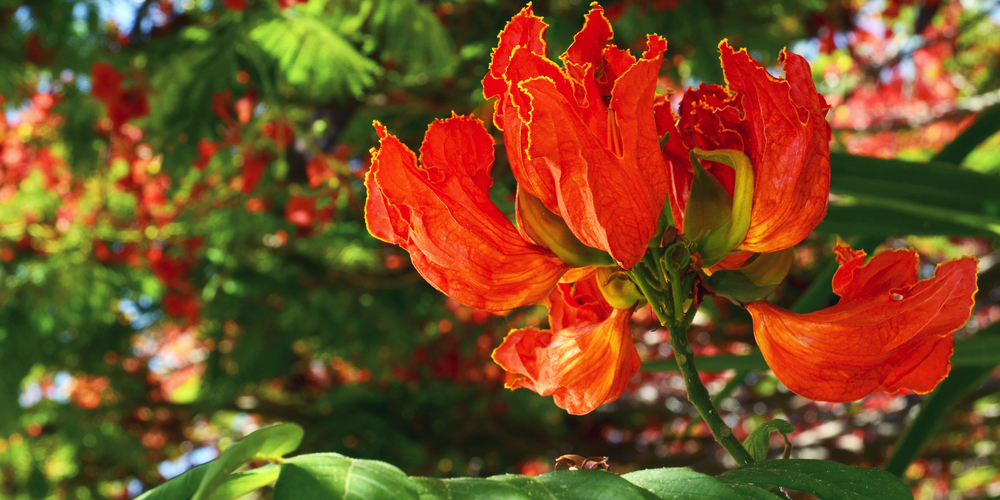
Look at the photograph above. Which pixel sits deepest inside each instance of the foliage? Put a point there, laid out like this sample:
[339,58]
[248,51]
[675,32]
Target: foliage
[174,277]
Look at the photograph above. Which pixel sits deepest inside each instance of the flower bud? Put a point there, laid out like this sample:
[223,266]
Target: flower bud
[548,230]
[618,289]
[758,277]
[717,223]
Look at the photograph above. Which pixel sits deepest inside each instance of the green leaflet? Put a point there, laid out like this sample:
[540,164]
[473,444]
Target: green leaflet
[315,61]
[758,443]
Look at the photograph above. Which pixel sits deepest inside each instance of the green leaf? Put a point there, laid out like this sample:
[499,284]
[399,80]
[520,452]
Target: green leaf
[758,443]
[269,443]
[984,346]
[936,192]
[681,484]
[986,124]
[330,475]
[579,485]
[181,487]
[824,480]
[315,61]
[750,492]
[465,489]
[881,221]
[238,485]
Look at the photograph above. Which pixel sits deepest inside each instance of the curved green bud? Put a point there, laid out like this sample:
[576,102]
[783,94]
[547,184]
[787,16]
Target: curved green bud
[760,276]
[548,230]
[618,289]
[717,222]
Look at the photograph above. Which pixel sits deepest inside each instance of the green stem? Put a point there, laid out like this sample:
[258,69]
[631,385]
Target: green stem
[702,401]
[647,290]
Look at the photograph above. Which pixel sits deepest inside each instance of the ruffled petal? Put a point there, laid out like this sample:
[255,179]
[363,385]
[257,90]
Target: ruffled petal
[441,213]
[854,280]
[610,190]
[581,367]
[788,144]
[524,30]
[889,333]
[588,44]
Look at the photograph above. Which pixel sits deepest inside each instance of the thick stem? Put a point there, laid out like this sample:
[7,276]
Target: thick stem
[702,401]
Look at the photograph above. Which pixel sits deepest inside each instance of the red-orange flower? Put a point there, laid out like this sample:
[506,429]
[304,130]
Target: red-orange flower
[889,332]
[440,212]
[778,123]
[582,138]
[585,358]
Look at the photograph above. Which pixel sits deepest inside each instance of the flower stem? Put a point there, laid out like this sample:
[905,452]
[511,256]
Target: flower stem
[702,401]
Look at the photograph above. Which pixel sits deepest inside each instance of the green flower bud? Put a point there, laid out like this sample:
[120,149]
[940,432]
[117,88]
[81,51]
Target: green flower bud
[548,230]
[618,289]
[717,223]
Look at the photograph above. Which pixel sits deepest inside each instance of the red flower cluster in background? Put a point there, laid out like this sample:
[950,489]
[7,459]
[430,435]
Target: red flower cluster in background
[123,104]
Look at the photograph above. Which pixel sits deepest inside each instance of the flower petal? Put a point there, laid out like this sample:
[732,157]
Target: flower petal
[588,44]
[890,332]
[524,30]
[611,198]
[582,367]
[788,144]
[854,280]
[441,213]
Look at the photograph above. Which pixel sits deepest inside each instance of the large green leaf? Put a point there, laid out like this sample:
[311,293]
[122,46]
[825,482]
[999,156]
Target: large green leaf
[824,480]
[329,475]
[942,195]
[181,487]
[986,124]
[314,60]
[875,220]
[184,486]
[238,485]
[750,492]
[269,443]
[983,348]
[580,485]
[681,484]
[466,489]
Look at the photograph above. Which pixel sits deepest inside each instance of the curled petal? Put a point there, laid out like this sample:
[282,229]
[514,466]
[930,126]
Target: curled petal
[441,213]
[780,124]
[788,144]
[889,332]
[581,367]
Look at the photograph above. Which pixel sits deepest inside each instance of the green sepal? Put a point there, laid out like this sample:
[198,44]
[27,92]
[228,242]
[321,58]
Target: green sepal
[549,230]
[618,289]
[757,279]
[716,222]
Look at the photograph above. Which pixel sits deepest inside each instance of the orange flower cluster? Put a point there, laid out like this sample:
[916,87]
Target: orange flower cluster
[596,153]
